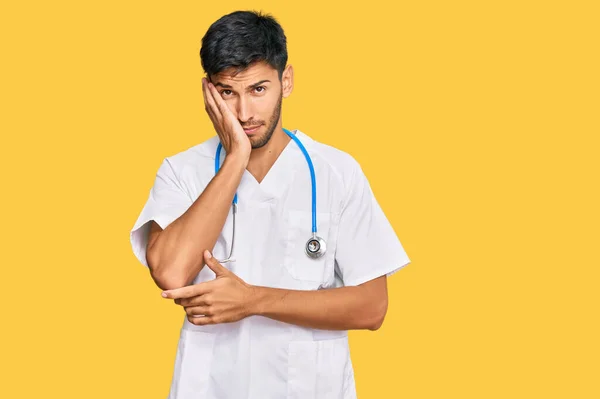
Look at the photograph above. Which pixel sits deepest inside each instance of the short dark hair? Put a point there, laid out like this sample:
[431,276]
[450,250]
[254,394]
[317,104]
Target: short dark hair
[241,38]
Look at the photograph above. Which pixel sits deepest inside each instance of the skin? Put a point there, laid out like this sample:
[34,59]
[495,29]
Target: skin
[228,298]
[178,253]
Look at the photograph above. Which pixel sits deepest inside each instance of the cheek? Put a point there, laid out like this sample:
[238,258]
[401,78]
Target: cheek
[232,105]
[266,104]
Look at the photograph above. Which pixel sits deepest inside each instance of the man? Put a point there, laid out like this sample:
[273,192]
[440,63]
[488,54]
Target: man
[273,322]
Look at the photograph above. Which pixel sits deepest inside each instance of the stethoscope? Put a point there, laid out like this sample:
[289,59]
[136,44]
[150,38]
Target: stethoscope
[315,246]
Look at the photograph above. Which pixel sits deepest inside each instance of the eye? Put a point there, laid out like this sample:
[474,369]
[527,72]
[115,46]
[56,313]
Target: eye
[223,92]
[261,87]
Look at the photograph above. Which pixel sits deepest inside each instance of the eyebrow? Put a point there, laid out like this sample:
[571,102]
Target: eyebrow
[252,86]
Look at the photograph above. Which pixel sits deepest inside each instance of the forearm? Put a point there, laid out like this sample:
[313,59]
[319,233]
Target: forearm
[343,308]
[177,252]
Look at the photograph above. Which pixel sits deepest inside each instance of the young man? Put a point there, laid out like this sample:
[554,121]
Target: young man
[273,321]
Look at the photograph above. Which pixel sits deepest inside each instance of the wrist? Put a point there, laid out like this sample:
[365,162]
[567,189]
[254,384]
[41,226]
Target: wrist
[257,300]
[239,159]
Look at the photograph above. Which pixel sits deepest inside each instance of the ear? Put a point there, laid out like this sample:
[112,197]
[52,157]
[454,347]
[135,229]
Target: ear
[287,81]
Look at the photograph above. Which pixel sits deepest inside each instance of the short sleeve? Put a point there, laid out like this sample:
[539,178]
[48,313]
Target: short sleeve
[367,245]
[166,202]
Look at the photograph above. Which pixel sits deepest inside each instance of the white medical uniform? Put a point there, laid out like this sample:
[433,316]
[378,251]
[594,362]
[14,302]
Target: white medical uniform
[258,357]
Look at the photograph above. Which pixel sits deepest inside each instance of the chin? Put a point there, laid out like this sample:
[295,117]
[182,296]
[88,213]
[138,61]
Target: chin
[259,141]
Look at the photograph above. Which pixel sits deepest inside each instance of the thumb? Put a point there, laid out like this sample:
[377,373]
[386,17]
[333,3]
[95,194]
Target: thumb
[213,264]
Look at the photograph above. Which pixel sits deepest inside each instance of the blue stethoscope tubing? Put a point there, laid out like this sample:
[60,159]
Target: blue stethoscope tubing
[315,246]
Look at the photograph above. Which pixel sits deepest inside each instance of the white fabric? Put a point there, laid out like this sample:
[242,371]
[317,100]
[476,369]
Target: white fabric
[258,357]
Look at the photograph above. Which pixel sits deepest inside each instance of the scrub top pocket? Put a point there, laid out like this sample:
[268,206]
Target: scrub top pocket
[320,370]
[192,364]
[296,261]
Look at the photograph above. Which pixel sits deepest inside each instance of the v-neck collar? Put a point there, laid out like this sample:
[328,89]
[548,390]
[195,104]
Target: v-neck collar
[280,173]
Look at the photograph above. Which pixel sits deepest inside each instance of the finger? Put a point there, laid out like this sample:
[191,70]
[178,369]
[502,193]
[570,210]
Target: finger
[193,301]
[186,292]
[220,103]
[198,311]
[214,264]
[209,103]
[213,97]
[201,321]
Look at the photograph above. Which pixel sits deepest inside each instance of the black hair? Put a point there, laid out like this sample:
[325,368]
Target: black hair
[241,38]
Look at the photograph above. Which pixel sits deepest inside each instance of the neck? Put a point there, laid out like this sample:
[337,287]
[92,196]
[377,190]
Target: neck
[261,159]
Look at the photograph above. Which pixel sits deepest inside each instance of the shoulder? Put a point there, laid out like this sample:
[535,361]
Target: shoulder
[197,158]
[341,164]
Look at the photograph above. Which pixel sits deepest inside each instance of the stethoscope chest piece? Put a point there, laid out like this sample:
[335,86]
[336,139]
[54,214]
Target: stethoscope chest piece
[315,247]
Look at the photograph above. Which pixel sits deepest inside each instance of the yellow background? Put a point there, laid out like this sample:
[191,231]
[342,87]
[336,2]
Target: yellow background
[475,122]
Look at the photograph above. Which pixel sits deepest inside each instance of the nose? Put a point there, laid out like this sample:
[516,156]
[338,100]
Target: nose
[244,110]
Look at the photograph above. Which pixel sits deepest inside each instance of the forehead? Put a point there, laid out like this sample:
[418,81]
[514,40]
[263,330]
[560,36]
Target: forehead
[255,72]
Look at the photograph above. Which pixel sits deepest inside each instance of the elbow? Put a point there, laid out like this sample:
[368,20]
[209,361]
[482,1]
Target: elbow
[165,277]
[375,325]
[167,281]
[377,315]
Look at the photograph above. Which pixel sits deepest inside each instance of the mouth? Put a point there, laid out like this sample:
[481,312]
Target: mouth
[251,129]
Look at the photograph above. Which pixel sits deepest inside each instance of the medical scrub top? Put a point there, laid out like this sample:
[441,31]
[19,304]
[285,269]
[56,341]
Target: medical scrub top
[258,357]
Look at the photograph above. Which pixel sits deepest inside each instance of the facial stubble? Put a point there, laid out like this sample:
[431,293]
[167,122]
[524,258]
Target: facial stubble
[272,125]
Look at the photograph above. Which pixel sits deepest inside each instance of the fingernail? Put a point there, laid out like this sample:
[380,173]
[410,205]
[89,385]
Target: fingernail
[164,294]
[208,254]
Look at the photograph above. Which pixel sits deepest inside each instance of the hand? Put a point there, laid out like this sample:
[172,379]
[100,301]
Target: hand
[225,299]
[229,129]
